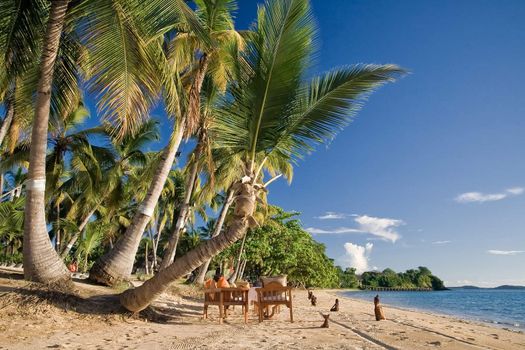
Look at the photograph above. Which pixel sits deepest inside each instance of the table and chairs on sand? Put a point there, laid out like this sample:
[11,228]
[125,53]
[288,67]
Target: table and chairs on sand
[266,301]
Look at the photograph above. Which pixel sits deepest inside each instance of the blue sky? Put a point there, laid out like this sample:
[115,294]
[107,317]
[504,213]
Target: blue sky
[392,182]
[455,125]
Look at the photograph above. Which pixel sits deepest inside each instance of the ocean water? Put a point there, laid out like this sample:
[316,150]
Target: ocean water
[502,307]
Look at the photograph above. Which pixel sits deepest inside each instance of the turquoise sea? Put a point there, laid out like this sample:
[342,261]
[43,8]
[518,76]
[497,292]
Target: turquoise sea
[502,307]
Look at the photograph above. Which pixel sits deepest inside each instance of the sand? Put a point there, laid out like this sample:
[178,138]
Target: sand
[31,318]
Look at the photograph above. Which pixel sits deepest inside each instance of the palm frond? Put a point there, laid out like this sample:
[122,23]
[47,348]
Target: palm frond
[327,104]
[124,76]
[271,70]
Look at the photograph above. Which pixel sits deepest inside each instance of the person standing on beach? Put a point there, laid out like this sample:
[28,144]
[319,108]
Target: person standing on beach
[378,309]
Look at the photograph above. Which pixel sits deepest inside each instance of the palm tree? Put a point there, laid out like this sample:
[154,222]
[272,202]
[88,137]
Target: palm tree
[123,68]
[99,173]
[271,115]
[21,25]
[89,242]
[184,48]
[41,262]
[12,225]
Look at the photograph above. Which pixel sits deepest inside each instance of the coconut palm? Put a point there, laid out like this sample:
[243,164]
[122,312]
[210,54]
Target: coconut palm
[41,262]
[89,242]
[12,225]
[99,174]
[21,25]
[189,51]
[272,115]
[123,67]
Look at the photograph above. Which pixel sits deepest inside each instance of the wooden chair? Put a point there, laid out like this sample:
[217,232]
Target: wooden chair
[273,294]
[224,297]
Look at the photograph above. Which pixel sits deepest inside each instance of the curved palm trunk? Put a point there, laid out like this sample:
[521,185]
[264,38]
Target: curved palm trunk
[139,298]
[41,261]
[216,231]
[76,236]
[156,241]
[169,255]
[1,186]
[116,265]
[237,267]
[6,123]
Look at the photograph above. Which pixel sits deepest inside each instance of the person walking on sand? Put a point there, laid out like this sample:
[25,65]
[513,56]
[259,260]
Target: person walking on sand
[378,309]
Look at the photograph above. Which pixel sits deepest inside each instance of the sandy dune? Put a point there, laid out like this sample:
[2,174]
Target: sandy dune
[31,319]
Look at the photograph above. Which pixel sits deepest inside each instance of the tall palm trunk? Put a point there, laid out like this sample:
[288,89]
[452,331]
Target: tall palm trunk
[1,185]
[41,261]
[237,266]
[139,298]
[156,243]
[146,263]
[169,255]
[117,264]
[77,234]
[216,231]
[6,123]
[57,235]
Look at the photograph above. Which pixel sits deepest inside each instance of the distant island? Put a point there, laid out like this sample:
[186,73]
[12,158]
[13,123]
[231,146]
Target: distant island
[505,286]
[412,279]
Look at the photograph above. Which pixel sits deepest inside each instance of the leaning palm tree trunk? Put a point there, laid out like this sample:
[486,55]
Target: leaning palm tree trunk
[41,261]
[1,185]
[169,255]
[6,123]
[117,264]
[156,243]
[139,298]
[216,231]
[75,237]
[237,267]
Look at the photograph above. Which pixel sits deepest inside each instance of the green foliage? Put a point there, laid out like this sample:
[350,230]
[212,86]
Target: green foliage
[281,246]
[89,242]
[418,278]
[347,278]
[11,229]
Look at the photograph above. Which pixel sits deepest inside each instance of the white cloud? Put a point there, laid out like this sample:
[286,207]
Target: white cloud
[441,242]
[505,252]
[516,190]
[480,197]
[384,228]
[330,215]
[339,230]
[356,256]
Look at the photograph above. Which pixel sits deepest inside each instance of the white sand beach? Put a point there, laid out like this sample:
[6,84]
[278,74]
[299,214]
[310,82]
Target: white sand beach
[32,320]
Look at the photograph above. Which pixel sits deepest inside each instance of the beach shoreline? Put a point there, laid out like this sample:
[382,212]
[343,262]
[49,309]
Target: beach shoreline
[40,324]
[457,316]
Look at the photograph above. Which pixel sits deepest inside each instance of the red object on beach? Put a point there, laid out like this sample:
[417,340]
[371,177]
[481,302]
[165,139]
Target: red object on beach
[73,267]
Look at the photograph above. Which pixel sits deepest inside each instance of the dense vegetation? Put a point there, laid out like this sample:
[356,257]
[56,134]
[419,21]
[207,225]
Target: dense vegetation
[413,278]
[281,246]
[81,186]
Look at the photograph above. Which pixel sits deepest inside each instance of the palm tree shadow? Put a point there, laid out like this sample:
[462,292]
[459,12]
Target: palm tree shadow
[104,305]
